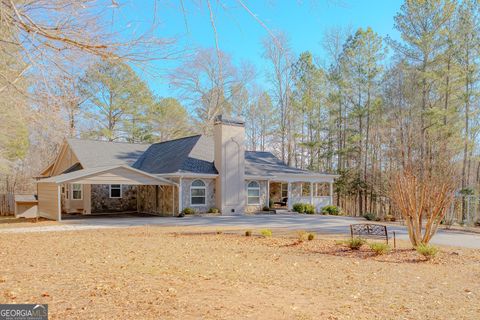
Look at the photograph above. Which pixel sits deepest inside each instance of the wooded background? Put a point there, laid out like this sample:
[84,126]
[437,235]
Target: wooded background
[369,108]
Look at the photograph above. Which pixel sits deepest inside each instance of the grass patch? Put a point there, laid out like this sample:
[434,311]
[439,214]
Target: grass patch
[355,243]
[380,248]
[266,233]
[427,251]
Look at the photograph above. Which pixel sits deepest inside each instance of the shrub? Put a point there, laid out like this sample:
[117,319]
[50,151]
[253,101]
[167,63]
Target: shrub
[248,233]
[266,208]
[355,243]
[188,211]
[331,210]
[427,251]
[380,248]
[213,210]
[266,232]
[311,236]
[299,207]
[302,235]
[369,216]
[309,209]
[270,203]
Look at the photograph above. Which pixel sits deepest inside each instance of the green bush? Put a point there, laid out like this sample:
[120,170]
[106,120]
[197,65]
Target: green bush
[355,243]
[331,210]
[380,248]
[248,233]
[309,209]
[299,207]
[188,210]
[270,203]
[311,236]
[266,232]
[213,210]
[369,216]
[266,208]
[427,251]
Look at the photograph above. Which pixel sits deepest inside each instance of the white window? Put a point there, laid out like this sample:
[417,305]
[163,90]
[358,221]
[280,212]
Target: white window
[115,191]
[253,193]
[198,193]
[77,191]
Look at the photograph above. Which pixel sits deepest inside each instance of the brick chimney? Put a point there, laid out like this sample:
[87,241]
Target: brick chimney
[229,139]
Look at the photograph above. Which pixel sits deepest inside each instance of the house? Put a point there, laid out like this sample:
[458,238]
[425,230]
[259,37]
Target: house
[199,172]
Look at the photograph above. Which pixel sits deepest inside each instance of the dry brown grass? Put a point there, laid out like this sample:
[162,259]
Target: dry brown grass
[155,273]
[12,222]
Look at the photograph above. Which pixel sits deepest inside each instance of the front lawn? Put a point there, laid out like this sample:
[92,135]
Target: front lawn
[162,273]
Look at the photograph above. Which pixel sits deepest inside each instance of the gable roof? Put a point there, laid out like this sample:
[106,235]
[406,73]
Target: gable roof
[130,174]
[185,155]
[194,154]
[93,153]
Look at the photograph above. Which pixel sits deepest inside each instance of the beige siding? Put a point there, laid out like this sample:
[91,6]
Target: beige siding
[119,176]
[26,210]
[48,200]
[66,159]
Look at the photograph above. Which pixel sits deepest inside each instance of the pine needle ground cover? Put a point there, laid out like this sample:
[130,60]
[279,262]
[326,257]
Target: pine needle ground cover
[165,273]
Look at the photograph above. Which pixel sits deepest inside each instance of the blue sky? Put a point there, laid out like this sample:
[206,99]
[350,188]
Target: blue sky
[304,22]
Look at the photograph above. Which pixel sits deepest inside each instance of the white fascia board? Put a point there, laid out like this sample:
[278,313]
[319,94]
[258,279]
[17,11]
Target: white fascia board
[187,175]
[263,178]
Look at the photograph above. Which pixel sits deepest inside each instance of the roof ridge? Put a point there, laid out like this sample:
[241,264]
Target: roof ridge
[177,139]
[116,142]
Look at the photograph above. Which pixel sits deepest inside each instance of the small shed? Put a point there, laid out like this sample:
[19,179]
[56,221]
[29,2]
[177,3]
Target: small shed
[26,206]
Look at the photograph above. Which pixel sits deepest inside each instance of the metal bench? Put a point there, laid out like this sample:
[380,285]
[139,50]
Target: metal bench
[370,230]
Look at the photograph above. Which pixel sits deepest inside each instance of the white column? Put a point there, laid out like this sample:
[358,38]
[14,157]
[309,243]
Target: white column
[289,195]
[331,193]
[180,195]
[268,193]
[311,193]
[59,203]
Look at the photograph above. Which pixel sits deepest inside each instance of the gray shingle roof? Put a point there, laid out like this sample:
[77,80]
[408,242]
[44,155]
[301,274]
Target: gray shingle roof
[193,154]
[92,153]
[262,163]
[190,154]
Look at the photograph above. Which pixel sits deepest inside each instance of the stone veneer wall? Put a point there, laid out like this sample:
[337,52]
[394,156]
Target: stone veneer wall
[263,197]
[161,206]
[210,194]
[101,201]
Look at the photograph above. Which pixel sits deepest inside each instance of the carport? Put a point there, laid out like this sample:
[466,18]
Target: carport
[49,189]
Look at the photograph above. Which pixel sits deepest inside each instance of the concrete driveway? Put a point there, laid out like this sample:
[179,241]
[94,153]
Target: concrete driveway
[317,223]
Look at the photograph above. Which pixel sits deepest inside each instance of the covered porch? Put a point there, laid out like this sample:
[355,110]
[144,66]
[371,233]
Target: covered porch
[317,191]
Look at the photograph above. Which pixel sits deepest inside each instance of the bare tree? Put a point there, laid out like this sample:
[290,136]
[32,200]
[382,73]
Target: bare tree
[278,52]
[423,202]
[207,88]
